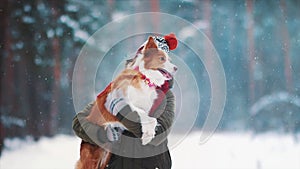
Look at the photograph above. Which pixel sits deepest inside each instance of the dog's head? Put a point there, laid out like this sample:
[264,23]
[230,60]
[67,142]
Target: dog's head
[153,60]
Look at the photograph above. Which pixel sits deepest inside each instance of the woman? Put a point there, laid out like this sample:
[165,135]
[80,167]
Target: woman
[128,151]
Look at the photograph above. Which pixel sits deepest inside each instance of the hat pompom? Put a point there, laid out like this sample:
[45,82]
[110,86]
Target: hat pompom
[171,41]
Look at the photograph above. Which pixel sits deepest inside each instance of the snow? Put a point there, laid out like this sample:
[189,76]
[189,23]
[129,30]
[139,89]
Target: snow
[9,121]
[27,8]
[222,151]
[50,33]
[28,19]
[72,8]
[230,151]
[118,15]
[78,33]
[60,152]
[190,31]
[273,99]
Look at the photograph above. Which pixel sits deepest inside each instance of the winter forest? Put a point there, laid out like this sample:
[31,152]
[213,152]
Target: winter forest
[258,43]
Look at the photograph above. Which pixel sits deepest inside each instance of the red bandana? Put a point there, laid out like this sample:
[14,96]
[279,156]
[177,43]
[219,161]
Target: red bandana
[161,92]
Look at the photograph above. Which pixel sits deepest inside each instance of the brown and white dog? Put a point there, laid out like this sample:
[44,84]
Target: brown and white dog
[149,69]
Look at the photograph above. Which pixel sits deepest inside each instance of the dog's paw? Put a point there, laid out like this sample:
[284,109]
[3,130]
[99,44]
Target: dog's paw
[146,139]
[148,129]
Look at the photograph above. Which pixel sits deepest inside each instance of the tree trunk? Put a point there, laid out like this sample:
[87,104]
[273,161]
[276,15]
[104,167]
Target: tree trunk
[207,18]
[207,46]
[7,69]
[8,66]
[3,33]
[286,48]
[251,55]
[155,18]
[56,76]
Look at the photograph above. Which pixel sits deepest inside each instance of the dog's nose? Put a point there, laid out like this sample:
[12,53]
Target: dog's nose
[175,68]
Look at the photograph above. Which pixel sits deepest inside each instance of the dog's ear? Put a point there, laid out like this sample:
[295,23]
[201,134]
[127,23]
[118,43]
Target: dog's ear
[151,44]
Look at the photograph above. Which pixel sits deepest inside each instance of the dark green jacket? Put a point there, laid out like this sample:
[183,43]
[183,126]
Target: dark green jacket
[129,153]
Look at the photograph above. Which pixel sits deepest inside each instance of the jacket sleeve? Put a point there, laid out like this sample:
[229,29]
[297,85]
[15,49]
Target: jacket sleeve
[86,130]
[95,134]
[164,114]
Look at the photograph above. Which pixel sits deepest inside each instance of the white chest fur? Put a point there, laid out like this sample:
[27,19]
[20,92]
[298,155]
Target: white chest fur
[141,101]
[141,98]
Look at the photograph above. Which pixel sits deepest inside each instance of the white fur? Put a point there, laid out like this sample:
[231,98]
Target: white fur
[168,66]
[142,98]
[154,75]
[141,101]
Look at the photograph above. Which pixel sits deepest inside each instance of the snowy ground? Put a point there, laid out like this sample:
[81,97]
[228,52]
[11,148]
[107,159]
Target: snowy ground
[228,151]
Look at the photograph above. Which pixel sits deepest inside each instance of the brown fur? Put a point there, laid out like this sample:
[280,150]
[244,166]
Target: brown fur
[92,156]
[96,157]
[154,58]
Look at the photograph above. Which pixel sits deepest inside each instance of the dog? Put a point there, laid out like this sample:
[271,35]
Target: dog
[150,68]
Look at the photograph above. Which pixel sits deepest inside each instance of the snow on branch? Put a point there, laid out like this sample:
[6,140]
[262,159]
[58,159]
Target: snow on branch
[274,99]
[8,121]
[190,31]
[78,33]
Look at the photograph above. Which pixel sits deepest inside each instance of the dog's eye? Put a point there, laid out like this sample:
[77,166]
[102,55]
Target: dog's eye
[162,59]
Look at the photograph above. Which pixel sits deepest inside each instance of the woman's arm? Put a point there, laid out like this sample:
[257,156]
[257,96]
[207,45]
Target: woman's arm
[86,130]
[130,119]
[165,119]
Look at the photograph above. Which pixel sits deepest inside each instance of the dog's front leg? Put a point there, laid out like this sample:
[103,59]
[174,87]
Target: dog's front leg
[148,127]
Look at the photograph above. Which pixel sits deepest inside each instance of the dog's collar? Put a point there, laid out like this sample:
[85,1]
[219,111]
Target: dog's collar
[145,78]
[148,81]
